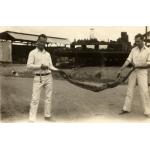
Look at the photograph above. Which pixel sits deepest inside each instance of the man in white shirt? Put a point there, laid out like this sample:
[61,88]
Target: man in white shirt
[139,57]
[39,61]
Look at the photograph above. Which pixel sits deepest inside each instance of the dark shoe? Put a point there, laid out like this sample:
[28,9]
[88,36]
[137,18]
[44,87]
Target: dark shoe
[124,112]
[49,119]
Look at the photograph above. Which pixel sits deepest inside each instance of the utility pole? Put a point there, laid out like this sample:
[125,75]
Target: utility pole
[92,33]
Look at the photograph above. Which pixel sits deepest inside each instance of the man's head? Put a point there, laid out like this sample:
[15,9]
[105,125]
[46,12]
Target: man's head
[139,40]
[42,40]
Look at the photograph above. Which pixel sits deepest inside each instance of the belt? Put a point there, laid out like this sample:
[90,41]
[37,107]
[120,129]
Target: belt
[42,74]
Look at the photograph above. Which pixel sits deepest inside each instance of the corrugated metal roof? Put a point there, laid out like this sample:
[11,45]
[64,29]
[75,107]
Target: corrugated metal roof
[9,35]
[19,36]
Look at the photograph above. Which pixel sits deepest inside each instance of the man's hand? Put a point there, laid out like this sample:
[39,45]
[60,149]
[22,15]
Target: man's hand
[133,65]
[62,73]
[44,67]
[119,73]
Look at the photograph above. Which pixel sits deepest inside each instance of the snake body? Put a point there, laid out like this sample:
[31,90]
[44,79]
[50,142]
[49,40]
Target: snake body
[96,88]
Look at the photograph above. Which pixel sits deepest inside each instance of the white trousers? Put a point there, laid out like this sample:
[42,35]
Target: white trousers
[142,77]
[46,84]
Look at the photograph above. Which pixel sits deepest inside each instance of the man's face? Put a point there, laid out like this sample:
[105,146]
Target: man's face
[139,42]
[41,43]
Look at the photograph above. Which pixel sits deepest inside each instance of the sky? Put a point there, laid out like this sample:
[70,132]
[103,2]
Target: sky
[79,32]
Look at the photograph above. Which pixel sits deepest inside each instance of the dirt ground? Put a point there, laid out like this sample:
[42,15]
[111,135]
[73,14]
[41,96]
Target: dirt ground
[70,103]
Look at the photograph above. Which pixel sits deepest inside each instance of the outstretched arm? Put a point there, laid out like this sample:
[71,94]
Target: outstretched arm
[51,67]
[122,68]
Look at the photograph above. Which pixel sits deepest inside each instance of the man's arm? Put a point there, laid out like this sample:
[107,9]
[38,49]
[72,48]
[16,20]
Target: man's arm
[51,67]
[123,67]
[30,62]
[127,62]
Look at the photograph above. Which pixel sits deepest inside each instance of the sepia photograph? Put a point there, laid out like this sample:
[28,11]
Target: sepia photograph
[74,74]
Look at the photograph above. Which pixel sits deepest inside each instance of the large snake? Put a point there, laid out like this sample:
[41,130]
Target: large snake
[98,88]
[95,88]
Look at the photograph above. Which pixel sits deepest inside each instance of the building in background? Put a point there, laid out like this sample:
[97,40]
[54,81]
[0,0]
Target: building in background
[15,46]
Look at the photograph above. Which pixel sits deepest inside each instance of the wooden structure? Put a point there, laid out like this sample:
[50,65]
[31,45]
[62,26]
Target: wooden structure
[5,51]
[15,46]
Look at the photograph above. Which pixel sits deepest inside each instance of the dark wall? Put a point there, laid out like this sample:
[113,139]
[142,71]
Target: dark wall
[20,53]
[81,58]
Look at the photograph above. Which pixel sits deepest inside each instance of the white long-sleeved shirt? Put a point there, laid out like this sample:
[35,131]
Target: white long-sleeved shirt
[139,57]
[36,58]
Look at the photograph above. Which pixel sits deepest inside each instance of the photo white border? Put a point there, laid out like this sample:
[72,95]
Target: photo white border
[74,136]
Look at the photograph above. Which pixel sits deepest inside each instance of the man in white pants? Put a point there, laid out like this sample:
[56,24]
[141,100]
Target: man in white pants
[139,57]
[39,61]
